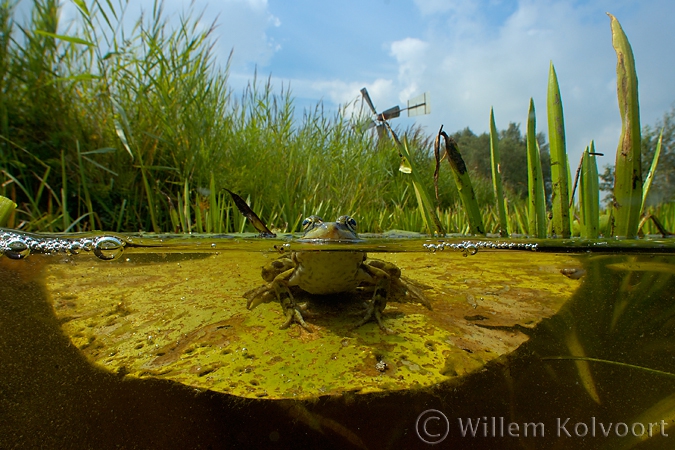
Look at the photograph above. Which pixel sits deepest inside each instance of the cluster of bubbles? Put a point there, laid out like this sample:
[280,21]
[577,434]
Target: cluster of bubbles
[471,248]
[20,246]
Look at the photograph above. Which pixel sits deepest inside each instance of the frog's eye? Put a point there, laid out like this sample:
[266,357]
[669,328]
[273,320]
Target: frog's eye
[349,221]
[310,222]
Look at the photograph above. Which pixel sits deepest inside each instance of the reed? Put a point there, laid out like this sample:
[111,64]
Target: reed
[496,177]
[559,166]
[628,167]
[535,181]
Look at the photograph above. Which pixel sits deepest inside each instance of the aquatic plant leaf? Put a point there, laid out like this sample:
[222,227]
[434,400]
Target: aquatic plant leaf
[589,199]
[652,170]
[535,180]
[583,368]
[246,210]
[424,204]
[559,166]
[181,317]
[628,167]
[497,187]
[7,207]
[462,181]
[656,422]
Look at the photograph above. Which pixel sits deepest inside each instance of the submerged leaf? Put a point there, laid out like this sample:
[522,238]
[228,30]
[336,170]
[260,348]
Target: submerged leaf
[182,317]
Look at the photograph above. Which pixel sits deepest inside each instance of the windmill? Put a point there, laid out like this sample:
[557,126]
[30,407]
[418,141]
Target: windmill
[417,106]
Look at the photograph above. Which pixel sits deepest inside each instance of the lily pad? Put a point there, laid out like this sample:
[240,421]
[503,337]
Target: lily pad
[182,317]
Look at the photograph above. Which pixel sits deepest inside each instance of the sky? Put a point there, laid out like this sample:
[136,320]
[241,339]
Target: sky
[470,55]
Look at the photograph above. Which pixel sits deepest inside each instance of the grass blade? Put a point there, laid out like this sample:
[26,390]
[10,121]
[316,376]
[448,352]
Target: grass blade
[559,171]
[71,39]
[628,168]
[425,206]
[85,189]
[535,180]
[7,207]
[463,182]
[650,175]
[589,199]
[64,193]
[497,177]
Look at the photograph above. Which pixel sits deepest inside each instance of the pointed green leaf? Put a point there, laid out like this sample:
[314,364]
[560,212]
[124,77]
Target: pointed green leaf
[628,169]
[559,171]
[497,176]
[71,39]
[535,180]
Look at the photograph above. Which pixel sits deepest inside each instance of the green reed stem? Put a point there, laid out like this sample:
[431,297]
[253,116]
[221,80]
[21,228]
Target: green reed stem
[589,199]
[7,207]
[425,206]
[650,175]
[497,187]
[463,182]
[559,171]
[628,168]
[535,180]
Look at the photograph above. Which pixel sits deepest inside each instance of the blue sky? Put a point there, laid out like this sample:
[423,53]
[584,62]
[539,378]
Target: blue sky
[469,54]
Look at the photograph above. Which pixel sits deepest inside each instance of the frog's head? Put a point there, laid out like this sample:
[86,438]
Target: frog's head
[343,229]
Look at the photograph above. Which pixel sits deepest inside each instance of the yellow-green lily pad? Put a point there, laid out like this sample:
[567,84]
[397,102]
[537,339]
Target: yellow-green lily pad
[182,317]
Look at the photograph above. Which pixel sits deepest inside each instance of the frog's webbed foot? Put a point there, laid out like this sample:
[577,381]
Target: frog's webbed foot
[375,307]
[411,290]
[259,295]
[293,312]
[374,310]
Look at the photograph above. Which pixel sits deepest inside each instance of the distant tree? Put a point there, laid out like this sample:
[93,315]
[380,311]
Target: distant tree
[513,156]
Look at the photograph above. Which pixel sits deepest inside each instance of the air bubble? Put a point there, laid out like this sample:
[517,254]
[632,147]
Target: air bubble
[17,249]
[87,244]
[108,248]
[469,248]
[74,247]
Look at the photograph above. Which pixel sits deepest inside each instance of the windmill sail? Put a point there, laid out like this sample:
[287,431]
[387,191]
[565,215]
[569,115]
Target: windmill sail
[390,113]
[419,105]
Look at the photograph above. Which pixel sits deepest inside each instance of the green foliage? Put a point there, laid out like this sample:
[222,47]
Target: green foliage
[495,164]
[559,170]
[513,158]
[7,207]
[663,185]
[589,202]
[535,182]
[628,167]
[117,129]
[463,183]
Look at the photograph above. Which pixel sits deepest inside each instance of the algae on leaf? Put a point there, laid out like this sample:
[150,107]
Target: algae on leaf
[182,317]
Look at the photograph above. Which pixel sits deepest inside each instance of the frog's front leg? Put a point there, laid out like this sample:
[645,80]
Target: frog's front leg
[287,302]
[379,301]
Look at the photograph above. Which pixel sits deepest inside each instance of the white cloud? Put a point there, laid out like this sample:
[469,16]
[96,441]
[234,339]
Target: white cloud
[240,25]
[411,55]
[472,70]
[457,7]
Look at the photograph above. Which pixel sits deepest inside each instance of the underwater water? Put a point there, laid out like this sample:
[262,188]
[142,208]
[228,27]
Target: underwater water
[113,341]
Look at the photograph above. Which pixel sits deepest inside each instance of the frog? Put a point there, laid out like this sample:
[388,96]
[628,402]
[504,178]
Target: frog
[328,272]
